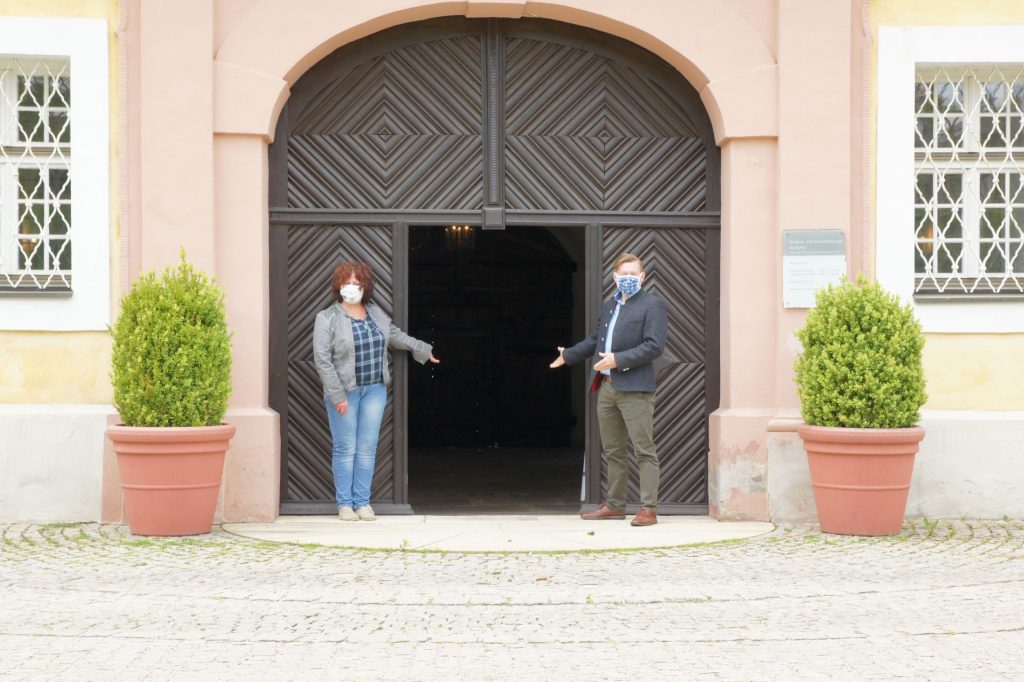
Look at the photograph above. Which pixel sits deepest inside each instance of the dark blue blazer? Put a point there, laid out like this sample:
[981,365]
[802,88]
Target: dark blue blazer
[638,338]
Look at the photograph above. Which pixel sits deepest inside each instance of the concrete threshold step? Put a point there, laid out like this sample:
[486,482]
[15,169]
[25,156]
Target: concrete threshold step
[497,533]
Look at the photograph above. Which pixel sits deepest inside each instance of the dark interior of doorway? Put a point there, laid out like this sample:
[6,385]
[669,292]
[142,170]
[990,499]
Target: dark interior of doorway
[492,429]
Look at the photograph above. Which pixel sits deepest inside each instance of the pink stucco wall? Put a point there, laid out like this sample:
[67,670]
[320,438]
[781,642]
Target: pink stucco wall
[775,76]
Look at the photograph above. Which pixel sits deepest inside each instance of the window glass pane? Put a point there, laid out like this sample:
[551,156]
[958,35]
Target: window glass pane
[923,190]
[943,216]
[1012,183]
[921,253]
[1016,103]
[1015,244]
[64,90]
[32,219]
[64,262]
[60,253]
[52,94]
[952,226]
[925,227]
[1018,260]
[993,97]
[1015,131]
[30,185]
[991,223]
[1015,225]
[30,91]
[997,136]
[949,97]
[922,102]
[925,132]
[986,186]
[30,126]
[951,132]
[60,185]
[58,219]
[948,258]
[952,188]
[949,225]
[30,254]
[993,261]
[59,131]
[988,132]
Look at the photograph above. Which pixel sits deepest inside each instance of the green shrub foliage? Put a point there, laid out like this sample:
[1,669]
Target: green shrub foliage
[861,360]
[172,351]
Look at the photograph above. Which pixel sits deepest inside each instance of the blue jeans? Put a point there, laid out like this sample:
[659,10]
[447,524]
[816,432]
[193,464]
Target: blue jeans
[354,435]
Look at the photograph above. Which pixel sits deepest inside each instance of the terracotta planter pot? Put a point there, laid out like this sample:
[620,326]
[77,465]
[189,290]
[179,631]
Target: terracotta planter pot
[861,477]
[170,476]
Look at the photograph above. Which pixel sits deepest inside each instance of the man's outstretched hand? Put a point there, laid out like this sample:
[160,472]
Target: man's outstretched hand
[607,362]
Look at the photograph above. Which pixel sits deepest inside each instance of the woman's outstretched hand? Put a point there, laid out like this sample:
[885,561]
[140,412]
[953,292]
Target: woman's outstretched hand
[559,361]
[434,360]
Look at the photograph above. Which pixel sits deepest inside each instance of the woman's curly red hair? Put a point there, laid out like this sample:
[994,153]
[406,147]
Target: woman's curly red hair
[363,273]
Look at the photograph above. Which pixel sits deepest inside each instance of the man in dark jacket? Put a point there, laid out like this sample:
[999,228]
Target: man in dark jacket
[629,335]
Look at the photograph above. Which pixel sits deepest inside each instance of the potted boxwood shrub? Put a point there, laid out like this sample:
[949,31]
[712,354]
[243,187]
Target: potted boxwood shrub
[171,372]
[861,385]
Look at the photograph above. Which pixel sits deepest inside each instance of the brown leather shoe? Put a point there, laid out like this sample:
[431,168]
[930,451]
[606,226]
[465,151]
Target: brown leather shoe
[644,517]
[601,513]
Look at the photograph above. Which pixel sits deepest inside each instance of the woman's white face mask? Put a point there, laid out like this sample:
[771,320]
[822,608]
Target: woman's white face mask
[351,293]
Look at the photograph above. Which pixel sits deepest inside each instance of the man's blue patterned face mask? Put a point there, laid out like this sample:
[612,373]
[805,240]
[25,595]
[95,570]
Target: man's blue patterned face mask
[628,284]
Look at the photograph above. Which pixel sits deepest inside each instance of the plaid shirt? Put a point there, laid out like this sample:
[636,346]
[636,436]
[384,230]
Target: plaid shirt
[369,342]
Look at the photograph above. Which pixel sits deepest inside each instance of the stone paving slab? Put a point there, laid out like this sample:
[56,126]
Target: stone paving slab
[495,533]
[940,601]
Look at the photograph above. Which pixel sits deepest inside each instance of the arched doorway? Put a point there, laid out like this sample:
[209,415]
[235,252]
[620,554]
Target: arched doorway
[495,124]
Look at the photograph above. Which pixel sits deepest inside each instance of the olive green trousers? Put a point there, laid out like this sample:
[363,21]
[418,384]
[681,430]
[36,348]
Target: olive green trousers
[624,416]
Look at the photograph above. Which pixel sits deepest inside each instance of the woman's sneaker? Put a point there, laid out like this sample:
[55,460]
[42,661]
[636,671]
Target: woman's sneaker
[346,514]
[366,514]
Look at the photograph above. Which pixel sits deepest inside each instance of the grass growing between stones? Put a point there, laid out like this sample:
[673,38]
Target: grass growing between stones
[90,538]
[502,553]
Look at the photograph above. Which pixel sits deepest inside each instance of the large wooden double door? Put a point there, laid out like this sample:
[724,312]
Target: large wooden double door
[492,124]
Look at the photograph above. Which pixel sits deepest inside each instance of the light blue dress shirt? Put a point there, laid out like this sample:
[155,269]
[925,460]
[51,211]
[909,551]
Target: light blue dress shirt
[611,328]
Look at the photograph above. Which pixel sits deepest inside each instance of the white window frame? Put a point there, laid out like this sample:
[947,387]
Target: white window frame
[990,160]
[900,51]
[85,43]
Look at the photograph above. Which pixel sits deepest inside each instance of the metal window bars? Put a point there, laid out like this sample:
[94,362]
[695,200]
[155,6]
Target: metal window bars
[969,181]
[35,174]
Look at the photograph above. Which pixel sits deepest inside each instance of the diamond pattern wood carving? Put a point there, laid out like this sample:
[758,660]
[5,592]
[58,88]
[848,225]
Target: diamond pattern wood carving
[313,252]
[585,132]
[674,263]
[401,130]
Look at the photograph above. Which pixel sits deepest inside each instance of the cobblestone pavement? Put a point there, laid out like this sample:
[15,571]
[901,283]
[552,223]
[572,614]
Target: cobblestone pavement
[943,600]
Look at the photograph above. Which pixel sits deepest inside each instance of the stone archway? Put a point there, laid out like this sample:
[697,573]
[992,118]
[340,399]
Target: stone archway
[494,122]
[728,73]
[736,78]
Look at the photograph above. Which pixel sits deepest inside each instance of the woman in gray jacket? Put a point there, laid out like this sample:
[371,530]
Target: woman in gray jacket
[350,340]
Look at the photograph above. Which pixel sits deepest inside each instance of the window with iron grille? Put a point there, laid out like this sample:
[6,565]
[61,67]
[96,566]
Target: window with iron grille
[969,181]
[35,175]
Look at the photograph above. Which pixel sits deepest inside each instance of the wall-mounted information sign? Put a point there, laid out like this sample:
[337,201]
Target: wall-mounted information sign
[811,260]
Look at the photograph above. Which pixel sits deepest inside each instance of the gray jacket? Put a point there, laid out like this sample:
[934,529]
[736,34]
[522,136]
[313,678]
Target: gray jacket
[334,348]
[638,338]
